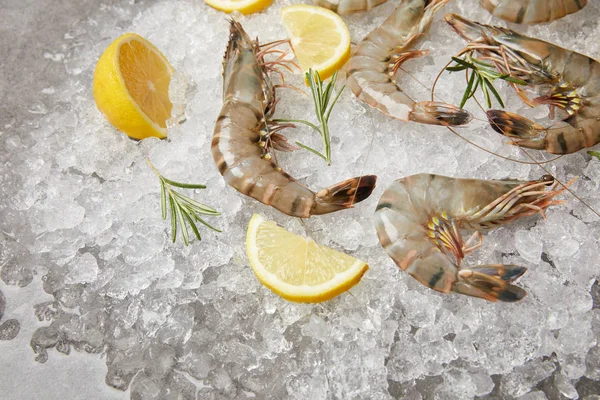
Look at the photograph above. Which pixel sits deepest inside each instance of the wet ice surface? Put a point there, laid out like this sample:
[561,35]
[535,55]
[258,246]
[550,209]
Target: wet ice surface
[80,216]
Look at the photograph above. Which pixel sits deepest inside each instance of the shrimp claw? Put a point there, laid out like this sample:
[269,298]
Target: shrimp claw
[419,220]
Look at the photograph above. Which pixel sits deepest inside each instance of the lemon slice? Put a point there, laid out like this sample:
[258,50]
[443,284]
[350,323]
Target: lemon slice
[319,38]
[297,268]
[243,6]
[131,87]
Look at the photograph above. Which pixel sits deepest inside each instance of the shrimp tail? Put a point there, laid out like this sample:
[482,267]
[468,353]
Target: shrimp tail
[491,282]
[513,125]
[507,273]
[344,194]
[437,113]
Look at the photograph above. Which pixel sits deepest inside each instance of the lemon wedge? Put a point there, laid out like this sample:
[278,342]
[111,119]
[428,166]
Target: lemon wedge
[131,87]
[297,268]
[243,6]
[319,38]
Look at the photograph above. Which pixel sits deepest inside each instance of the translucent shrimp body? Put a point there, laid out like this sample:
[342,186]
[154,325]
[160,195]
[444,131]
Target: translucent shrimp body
[419,218]
[375,60]
[531,11]
[343,7]
[242,151]
[574,80]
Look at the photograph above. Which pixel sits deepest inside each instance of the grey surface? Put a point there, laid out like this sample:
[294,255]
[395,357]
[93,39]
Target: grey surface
[28,30]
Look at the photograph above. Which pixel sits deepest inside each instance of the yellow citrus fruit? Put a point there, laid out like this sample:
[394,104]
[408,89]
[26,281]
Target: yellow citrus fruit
[131,87]
[243,6]
[297,268]
[319,37]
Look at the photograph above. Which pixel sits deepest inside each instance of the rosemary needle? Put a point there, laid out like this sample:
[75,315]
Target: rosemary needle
[321,98]
[184,210]
[482,76]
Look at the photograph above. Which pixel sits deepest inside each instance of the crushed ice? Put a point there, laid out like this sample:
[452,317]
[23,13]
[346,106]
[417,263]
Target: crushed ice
[80,210]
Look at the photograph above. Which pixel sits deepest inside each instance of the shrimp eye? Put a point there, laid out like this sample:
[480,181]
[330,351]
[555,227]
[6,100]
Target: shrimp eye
[548,179]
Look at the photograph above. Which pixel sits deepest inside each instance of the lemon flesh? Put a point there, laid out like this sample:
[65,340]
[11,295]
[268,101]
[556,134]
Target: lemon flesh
[243,6]
[319,38]
[297,268]
[131,87]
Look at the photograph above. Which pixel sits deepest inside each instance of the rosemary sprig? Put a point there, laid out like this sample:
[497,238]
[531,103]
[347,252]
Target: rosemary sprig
[482,75]
[184,210]
[594,154]
[321,97]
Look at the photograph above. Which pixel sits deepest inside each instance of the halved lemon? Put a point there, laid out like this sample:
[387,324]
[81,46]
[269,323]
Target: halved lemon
[131,87]
[297,268]
[319,37]
[243,6]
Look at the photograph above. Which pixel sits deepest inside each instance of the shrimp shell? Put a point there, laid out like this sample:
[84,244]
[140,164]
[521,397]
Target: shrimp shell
[419,218]
[241,142]
[573,77]
[375,60]
[344,7]
[531,11]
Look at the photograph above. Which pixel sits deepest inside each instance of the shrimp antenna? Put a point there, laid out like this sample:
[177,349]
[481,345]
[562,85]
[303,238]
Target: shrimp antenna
[534,161]
[280,61]
[269,48]
[433,96]
[539,164]
[565,186]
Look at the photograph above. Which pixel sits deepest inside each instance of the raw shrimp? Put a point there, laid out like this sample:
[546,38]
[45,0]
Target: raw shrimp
[242,142]
[419,218]
[348,6]
[531,11]
[574,80]
[376,59]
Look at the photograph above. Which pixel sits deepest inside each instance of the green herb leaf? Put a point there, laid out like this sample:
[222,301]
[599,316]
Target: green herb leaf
[184,185]
[595,154]
[494,92]
[463,63]
[193,225]
[335,99]
[207,224]
[482,76]
[456,69]
[173,219]
[163,200]
[481,63]
[181,221]
[509,78]
[486,94]
[183,210]
[468,91]
[323,106]
[305,147]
